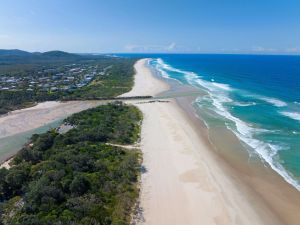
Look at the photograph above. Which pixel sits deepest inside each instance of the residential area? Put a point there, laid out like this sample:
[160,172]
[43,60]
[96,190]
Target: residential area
[63,78]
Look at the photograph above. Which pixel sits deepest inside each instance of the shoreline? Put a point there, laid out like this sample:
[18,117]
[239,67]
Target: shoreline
[241,195]
[26,119]
[6,164]
[17,126]
[189,178]
[256,177]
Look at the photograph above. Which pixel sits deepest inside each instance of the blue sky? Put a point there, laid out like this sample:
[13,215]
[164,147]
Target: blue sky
[204,26]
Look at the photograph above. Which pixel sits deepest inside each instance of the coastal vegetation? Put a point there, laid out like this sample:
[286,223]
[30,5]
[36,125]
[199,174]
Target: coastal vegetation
[29,78]
[83,176]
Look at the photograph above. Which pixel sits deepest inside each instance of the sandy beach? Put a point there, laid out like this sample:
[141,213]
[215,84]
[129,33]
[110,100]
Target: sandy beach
[185,182]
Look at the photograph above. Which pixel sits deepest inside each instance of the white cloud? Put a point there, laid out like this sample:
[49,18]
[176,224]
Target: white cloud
[151,48]
[171,47]
[293,50]
[131,48]
[4,36]
[261,49]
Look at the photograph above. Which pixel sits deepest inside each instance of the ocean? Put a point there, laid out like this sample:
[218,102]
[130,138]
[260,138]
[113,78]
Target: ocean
[257,97]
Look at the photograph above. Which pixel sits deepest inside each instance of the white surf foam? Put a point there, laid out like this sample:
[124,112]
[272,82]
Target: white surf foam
[160,66]
[244,104]
[274,101]
[292,115]
[219,95]
[222,86]
[168,67]
[266,151]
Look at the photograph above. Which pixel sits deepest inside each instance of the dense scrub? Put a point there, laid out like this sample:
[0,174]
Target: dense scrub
[76,178]
[12,100]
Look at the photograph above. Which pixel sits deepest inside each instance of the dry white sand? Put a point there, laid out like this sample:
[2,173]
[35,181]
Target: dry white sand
[19,121]
[144,82]
[183,183]
[6,164]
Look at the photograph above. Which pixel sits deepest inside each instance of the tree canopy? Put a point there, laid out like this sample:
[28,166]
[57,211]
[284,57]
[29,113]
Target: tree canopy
[76,177]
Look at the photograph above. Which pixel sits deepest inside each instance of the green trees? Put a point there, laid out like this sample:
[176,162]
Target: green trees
[76,178]
[79,185]
[117,79]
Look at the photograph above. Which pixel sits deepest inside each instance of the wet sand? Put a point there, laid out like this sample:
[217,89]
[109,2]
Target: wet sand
[187,180]
[262,186]
[192,175]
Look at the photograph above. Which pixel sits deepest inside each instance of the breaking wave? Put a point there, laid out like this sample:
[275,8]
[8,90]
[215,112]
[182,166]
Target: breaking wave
[218,97]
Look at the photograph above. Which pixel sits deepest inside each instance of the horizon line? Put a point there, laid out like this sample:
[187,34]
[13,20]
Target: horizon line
[166,53]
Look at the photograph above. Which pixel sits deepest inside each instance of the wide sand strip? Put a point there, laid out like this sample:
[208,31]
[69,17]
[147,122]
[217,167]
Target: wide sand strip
[183,184]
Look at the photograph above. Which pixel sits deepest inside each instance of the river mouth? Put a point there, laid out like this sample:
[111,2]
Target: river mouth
[10,145]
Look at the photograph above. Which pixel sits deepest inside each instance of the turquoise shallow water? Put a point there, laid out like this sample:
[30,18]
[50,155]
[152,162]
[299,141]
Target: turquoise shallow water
[12,144]
[256,97]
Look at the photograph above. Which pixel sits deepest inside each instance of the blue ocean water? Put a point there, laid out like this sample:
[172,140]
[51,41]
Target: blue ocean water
[257,97]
